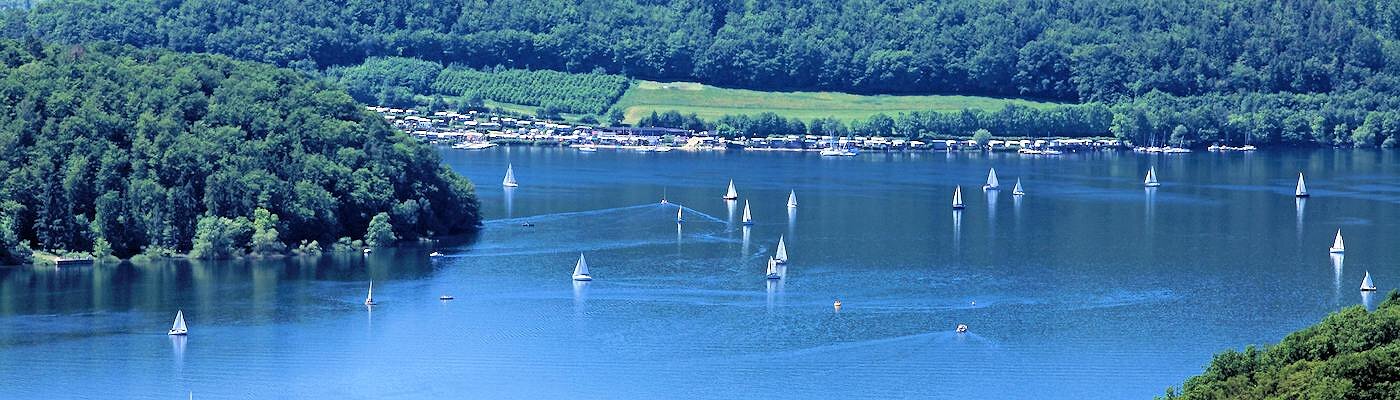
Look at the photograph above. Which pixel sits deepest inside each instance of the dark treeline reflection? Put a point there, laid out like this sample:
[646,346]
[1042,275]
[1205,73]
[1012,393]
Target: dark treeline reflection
[149,285]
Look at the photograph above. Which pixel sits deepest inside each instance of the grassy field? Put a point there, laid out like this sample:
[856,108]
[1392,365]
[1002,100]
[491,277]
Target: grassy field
[711,102]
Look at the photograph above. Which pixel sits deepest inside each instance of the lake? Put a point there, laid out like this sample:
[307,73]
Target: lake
[1088,287]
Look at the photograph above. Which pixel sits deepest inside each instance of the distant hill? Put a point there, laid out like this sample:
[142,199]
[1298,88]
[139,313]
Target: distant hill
[1074,50]
[1184,72]
[115,150]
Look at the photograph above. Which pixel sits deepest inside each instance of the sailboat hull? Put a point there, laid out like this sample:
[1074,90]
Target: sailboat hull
[775,276]
[582,278]
[179,332]
[1302,195]
[1369,289]
[1335,250]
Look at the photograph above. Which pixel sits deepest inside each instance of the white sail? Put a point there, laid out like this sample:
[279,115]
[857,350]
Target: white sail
[792,199]
[748,218]
[581,269]
[992,180]
[1302,189]
[772,272]
[509,180]
[179,325]
[1151,179]
[1017,190]
[731,194]
[957,197]
[678,215]
[1337,246]
[781,254]
[369,298]
[1366,283]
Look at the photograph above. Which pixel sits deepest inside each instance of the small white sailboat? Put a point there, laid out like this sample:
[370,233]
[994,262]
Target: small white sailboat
[369,298]
[1302,189]
[1016,191]
[781,255]
[678,215]
[748,218]
[435,254]
[1337,247]
[962,328]
[792,199]
[179,328]
[731,194]
[957,198]
[446,297]
[773,272]
[1366,284]
[509,180]
[581,269]
[1151,179]
[992,183]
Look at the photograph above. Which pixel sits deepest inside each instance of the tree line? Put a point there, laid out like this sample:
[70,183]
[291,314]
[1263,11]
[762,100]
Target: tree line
[1357,118]
[117,151]
[1075,50]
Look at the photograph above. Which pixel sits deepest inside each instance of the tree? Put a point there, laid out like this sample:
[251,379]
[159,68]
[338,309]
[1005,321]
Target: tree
[380,232]
[615,117]
[220,237]
[265,240]
[982,136]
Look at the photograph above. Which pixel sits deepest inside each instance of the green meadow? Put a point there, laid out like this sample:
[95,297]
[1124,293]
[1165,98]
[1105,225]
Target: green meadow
[710,102]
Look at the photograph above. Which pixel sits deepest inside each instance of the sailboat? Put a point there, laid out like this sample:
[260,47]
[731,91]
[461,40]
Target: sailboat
[1302,189]
[957,198]
[773,271]
[1016,191]
[1337,246]
[678,215]
[731,194]
[369,298]
[792,199]
[179,328]
[509,181]
[992,183]
[781,255]
[581,269]
[1151,179]
[1366,284]
[748,218]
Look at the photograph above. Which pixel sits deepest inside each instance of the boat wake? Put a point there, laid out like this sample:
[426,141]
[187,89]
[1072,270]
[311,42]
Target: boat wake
[592,230]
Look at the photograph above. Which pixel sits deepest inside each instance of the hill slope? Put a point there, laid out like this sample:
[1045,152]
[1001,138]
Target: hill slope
[1351,354]
[1084,50]
[115,149]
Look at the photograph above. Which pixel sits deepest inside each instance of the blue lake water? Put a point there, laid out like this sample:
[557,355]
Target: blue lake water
[1088,287]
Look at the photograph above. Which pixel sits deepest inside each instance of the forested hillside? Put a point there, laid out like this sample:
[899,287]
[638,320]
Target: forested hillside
[1076,50]
[1351,354]
[115,150]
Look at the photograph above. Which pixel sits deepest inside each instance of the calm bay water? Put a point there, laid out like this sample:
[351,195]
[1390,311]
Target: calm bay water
[1089,286]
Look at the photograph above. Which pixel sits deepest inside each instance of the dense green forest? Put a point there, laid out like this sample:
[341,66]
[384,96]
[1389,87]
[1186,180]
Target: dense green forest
[1299,72]
[117,150]
[1351,354]
[1077,50]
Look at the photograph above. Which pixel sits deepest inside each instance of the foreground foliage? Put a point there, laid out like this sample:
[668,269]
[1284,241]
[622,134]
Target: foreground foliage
[1351,354]
[122,151]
